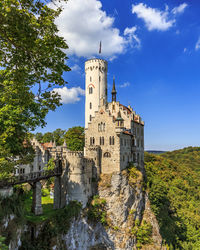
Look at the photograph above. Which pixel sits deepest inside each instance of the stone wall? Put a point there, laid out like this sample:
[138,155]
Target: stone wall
[79,185]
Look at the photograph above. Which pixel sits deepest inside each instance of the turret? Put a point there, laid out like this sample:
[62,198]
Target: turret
[114,92]
[95,87]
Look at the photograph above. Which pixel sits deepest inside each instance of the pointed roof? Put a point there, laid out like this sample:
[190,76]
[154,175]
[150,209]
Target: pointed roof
[113,89]
[119,117]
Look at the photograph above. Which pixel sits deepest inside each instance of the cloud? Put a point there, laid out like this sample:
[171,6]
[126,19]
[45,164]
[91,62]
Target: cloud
[84,24]
[71,95]
[156,19]
[185,50]
[179,9]
[197,46]
[153,18]
[124,85]
[132,37]
[76,68]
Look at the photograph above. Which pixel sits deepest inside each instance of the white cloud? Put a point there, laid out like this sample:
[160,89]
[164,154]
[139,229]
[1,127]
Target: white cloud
[197,46]
[132,37]
[84,24]
[185,50]
[156,19]
[153,18]
[124,85]
[179,9]
[71,95]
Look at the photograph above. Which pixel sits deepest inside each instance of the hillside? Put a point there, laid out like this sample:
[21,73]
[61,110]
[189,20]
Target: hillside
[173,182]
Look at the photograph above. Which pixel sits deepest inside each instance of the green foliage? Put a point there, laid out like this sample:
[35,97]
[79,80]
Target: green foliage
[32,62]
[97,210]
[50,165]
[142,233]
[134,175]
[2,245]
[74,138]
[58,223]
[173,180]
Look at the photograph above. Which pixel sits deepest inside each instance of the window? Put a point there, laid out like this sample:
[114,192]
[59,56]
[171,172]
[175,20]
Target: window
[101,140]
[90,105]
[99,78]
[113,140]
[90,118]
[90,78]
[93,140]
[107,155]
[99,127]
[90,90]
[104,126]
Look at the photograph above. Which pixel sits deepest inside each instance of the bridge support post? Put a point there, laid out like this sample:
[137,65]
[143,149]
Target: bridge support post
[60,191]
[57,192]
[37,198]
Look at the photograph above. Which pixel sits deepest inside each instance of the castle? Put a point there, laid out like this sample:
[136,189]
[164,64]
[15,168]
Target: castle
[114,136]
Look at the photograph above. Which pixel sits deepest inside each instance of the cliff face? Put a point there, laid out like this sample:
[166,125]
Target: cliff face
[125,204]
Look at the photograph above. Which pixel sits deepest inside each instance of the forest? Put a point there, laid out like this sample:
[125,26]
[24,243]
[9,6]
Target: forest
[173,185]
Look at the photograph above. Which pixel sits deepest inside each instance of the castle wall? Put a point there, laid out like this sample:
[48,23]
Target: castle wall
[79,177]
[126,155]
[103,126]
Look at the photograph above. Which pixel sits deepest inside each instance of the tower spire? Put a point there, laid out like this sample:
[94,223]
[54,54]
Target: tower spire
[114,92]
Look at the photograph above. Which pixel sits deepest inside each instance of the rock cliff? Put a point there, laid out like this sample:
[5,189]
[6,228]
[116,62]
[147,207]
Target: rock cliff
[125,205]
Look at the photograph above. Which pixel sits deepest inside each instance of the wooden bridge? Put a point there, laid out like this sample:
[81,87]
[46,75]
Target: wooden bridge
[30,177]
[34,179]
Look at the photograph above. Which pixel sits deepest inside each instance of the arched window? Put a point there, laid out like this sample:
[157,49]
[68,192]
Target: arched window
[110,141]
[90,118]
[107,155]
[90,105]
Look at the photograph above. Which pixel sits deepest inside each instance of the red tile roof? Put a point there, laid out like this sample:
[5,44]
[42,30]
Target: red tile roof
[47,145]
[126,108]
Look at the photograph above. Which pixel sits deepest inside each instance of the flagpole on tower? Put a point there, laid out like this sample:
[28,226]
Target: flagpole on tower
[100,48]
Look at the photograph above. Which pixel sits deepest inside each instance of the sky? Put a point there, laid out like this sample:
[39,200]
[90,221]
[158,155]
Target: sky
[153,50]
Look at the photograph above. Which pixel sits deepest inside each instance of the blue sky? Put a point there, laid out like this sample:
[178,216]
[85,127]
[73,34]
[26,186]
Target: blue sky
[153,49]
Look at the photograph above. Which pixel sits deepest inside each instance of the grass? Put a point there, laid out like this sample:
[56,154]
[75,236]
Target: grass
[47,206]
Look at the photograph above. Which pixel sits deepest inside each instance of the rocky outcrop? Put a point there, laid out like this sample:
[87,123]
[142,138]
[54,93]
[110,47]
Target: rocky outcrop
[124,204]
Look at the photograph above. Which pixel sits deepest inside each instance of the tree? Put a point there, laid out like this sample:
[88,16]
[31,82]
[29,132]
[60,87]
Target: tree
[58,136]
[74,138]
[32,62]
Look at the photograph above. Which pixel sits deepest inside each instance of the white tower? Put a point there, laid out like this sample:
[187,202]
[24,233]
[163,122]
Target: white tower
[95,87]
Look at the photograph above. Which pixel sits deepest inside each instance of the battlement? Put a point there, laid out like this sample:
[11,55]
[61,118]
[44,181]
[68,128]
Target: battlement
[96,64]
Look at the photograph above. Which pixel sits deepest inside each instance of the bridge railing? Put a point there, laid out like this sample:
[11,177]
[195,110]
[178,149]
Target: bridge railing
[30,177]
